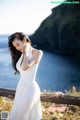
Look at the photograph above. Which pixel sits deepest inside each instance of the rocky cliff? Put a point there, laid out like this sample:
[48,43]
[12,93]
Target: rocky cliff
[60,31]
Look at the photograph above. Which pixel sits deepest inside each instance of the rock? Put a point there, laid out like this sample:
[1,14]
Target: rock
[58,94]
[60,31]
[58,108]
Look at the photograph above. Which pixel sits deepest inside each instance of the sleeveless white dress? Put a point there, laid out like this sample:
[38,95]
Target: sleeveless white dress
[27,104]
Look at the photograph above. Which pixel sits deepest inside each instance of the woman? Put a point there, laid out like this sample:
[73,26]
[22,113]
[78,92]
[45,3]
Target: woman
[25,60]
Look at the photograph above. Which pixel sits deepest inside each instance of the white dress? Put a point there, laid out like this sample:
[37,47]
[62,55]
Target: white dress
[27,104]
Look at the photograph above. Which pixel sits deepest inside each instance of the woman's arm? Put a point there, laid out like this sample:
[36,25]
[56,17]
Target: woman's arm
[35,59]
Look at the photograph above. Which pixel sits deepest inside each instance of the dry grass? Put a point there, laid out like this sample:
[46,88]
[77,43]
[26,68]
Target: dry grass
[72,112]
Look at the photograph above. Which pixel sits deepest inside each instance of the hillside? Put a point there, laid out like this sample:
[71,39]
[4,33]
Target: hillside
[60,31]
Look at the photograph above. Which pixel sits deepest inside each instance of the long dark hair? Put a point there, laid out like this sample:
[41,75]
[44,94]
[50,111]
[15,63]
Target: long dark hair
[15,54]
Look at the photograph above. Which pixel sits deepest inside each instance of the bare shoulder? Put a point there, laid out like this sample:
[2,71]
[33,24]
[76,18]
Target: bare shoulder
[41,52]
[36,51]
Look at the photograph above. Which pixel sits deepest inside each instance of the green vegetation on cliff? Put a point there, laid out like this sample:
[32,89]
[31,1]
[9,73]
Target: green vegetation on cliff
[60,31]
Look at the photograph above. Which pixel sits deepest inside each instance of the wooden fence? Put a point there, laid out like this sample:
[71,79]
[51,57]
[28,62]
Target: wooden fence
[54,98]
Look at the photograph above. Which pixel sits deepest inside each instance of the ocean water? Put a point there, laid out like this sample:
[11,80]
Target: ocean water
[55,73]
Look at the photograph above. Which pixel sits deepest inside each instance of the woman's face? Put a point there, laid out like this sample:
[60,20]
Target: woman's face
[18,44]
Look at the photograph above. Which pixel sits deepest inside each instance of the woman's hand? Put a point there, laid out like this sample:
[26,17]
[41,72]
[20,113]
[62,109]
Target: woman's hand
[26,47]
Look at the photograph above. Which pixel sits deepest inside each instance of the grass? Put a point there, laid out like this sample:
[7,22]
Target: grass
[72,112]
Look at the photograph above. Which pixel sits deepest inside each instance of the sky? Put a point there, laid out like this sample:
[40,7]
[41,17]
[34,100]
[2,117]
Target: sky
[23,15]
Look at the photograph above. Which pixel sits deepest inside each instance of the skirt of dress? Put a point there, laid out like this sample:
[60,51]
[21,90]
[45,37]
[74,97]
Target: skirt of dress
[27,104]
